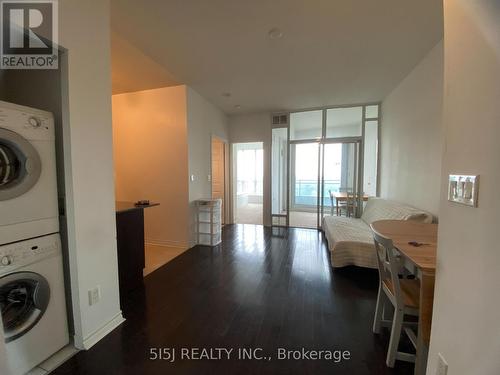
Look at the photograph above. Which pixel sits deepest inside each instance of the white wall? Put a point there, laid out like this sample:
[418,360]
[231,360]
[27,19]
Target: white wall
[256,128]
[204,120]
[411,136]
[466,327]
[89,167]
[151,159]
[4,368]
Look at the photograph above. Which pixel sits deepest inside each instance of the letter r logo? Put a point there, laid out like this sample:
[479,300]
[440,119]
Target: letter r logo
[27,27]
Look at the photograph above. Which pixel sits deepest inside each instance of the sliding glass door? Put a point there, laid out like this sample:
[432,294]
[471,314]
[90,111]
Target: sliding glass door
[304,184]
[331,157]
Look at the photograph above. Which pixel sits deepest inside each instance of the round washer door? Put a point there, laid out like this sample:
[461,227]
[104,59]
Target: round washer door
[20,165]
[24,297]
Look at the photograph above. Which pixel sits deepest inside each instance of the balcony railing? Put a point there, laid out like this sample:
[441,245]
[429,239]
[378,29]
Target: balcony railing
[252,187]
[306,192]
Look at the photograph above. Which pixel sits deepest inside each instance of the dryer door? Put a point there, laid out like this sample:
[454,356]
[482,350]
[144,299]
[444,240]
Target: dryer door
[20,165]
[24,297]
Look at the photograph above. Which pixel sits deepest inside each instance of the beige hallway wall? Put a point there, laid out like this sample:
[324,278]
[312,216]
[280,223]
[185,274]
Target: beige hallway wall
[151,159]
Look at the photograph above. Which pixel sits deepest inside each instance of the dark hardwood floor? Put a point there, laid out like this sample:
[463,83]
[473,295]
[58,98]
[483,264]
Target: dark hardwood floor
[262,288]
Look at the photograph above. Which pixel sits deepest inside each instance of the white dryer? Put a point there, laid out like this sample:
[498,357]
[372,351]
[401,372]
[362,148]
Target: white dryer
[32,301]
[28,180]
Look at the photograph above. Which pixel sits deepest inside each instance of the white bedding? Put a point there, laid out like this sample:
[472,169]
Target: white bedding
[350,240]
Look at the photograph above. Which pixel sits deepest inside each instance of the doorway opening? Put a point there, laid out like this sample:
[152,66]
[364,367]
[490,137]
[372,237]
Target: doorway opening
[248,186]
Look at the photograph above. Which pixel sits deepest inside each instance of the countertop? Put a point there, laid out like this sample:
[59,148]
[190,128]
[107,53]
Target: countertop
[131,206]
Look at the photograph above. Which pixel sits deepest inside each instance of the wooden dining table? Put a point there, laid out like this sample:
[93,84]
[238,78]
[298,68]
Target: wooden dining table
[422,258]
[342,197]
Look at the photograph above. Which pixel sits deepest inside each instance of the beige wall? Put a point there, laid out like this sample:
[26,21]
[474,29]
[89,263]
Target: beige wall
[161,138]
[204,120]
[151,159]
[411,136]
[466,327]
[88,155]
[256,128]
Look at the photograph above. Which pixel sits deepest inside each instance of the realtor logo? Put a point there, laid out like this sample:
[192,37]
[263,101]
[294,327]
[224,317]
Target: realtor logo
[28,34]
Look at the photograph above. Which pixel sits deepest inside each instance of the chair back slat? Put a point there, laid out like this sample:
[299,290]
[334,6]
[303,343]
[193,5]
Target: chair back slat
[389,264]
[351,203]
[330,194]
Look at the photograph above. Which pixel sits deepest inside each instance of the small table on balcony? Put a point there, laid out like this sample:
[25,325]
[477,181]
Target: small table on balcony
[342,197]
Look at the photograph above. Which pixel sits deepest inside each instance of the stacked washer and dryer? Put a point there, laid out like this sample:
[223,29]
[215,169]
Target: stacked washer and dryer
[32,294]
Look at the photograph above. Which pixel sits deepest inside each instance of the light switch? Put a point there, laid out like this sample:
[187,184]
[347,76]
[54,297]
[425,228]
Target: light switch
[192,178]
[463,189]
[94,295]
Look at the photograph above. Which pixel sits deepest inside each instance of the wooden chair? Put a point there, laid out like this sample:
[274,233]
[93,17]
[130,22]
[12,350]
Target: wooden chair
[337,206]
[403,294]
[350,204]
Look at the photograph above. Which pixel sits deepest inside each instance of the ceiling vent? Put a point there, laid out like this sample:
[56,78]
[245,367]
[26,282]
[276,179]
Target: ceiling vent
[280,119]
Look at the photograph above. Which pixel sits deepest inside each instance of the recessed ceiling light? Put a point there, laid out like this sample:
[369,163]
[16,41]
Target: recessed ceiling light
[226,94]
[237,106]
[275,33]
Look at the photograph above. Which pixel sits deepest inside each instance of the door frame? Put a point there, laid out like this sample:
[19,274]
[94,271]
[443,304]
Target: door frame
[233,179]
[358,172]
[324,140]
[226,214]
[292,152]
[318,208]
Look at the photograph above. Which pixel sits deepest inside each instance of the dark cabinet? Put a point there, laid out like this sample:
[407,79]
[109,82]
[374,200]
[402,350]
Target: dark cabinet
[130,247]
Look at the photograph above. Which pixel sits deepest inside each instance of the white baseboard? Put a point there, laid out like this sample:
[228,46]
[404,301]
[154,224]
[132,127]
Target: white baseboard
[57,359]
[95,337]
[166,243]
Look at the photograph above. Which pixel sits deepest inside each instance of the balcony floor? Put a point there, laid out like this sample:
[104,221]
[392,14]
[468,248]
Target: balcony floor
[250,213]
[302,219]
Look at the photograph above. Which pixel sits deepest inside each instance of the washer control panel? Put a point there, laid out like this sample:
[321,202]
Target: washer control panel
[21,253]
[30,123]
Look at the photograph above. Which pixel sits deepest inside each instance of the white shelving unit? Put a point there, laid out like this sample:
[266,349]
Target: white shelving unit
[208,222]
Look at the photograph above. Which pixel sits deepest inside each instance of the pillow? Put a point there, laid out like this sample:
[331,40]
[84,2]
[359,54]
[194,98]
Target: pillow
[383,209]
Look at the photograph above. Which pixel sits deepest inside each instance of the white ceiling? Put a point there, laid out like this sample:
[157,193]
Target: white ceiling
[332,51]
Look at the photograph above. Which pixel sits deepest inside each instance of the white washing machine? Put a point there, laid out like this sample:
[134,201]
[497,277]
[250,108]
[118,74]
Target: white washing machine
[28,180]
[32,301]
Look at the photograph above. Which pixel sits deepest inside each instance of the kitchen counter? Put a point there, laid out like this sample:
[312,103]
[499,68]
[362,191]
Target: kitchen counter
[121,206]
[130,246]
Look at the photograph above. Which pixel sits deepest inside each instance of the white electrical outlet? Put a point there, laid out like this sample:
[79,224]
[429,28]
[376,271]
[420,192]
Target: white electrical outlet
[442,366]
[94,295]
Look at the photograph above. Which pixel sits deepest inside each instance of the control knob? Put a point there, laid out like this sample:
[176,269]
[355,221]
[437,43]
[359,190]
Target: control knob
[6,260]
[35,122]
